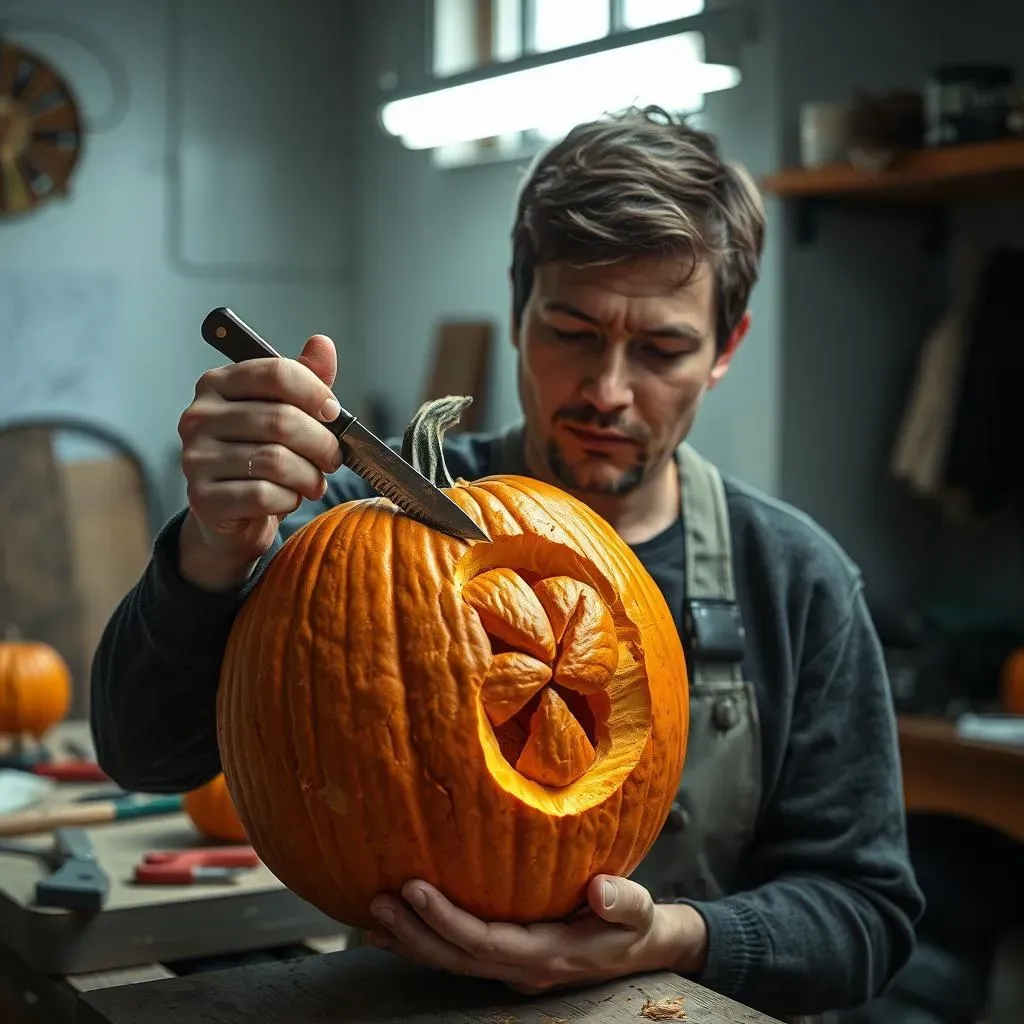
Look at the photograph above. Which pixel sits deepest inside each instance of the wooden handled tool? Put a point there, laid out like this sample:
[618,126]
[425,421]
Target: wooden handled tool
[97,812]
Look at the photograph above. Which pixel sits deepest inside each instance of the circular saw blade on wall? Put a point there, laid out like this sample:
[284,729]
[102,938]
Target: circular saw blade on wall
[40,131]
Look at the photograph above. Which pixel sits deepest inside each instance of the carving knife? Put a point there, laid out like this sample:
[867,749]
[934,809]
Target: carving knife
[363,452]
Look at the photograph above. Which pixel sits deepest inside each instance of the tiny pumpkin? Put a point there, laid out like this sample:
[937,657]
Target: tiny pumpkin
[35,687]
[502,719]
[1011,682]
[212,811]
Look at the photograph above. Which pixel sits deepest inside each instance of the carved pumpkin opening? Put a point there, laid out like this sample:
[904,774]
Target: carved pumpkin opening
[554,646]
[564,701]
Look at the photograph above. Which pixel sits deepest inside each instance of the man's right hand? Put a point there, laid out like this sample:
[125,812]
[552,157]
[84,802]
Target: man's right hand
[254,445]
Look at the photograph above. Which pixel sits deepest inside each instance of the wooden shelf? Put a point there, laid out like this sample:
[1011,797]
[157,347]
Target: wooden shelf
[985,170]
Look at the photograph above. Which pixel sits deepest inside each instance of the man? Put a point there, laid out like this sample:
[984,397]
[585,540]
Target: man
[781,878]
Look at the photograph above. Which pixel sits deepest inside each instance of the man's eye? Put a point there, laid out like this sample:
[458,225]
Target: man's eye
[666,355]
[572,335]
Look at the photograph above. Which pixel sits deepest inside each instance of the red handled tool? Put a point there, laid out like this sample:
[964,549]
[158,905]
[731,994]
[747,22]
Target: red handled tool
[70,771]
[186,867]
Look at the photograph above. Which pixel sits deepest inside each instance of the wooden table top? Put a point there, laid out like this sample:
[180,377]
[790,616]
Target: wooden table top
[365,985]
[944,773]
[939,734]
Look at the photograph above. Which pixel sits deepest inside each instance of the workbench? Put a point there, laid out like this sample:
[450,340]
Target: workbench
[366,985]
[943,773]
[51,954]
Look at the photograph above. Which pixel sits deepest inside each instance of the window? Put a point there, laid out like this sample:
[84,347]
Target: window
[473,33]
[642,13]
[557,23]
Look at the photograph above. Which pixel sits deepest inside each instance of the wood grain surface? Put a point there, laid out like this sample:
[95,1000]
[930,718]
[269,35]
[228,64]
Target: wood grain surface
[367,986]
[945,774]
[38,595]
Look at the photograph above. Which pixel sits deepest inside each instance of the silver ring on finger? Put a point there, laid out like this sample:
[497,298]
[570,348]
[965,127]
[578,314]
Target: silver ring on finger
[250,463]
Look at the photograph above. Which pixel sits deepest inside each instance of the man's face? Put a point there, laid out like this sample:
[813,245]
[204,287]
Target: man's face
[613,364]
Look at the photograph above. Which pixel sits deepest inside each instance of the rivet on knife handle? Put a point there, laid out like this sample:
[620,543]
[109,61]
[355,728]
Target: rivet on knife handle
[234,338]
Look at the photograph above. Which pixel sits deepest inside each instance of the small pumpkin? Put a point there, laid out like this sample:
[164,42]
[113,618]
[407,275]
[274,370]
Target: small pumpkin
[213,813]
[502,719]
[35,687]
[1011,682]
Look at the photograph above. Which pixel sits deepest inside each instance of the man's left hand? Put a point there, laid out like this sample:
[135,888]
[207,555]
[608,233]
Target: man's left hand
[622,931]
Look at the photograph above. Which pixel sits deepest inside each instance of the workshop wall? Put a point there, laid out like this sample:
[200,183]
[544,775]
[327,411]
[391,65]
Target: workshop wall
[214,172]
[859,301]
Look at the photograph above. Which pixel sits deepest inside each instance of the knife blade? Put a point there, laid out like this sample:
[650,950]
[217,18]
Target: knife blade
[363,452]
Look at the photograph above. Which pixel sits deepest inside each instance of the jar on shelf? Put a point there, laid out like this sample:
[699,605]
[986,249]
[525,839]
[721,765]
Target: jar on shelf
[968,103]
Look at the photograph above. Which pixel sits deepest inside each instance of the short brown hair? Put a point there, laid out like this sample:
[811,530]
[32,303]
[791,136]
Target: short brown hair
[634,184]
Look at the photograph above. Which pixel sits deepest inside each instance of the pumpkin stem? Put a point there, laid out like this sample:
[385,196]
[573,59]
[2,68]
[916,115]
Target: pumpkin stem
[422,445]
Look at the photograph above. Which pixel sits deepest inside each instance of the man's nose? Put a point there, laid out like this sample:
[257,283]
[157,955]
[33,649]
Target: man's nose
[608,386]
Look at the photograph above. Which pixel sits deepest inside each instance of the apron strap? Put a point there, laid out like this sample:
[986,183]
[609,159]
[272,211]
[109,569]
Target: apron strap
[716,638]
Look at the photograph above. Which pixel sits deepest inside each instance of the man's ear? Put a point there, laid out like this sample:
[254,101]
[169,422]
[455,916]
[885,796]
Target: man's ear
[724,358]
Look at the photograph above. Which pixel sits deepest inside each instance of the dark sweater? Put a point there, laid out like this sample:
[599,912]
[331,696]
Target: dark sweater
[826,913]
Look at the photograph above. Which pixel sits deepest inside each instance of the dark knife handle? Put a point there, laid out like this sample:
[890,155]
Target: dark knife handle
[234,338]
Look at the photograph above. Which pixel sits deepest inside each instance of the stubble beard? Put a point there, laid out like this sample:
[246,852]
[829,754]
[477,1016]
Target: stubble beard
[626,481]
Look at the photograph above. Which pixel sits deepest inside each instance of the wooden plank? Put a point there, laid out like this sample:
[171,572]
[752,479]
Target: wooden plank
[110,545]
[461,361]
[117,977]
[984,169]
[367,985]
[38,597]
[30,997]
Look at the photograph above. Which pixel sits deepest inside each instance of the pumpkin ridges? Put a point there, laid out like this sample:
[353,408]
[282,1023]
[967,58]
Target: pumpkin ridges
[491,514]
[410,588]
[604,835]
[550,868]
[306,658]
[626,842]
[374,698]
[258,648]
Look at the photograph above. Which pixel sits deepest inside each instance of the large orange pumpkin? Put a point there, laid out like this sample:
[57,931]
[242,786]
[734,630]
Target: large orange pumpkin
[212,811]
[35,688]
[503,719]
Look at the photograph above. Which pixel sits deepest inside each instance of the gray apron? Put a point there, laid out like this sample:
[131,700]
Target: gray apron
[699,851]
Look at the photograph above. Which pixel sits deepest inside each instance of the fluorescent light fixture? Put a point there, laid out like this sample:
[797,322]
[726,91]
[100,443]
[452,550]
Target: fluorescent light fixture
[666,71]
